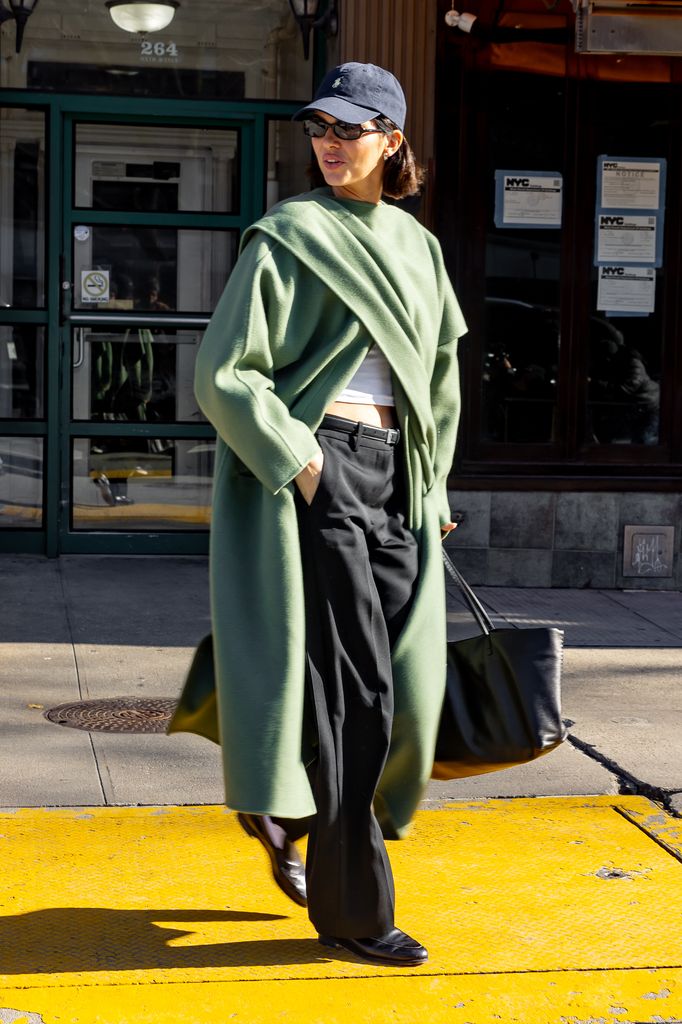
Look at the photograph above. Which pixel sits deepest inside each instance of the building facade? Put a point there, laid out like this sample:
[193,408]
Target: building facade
[548,169]
[130,163]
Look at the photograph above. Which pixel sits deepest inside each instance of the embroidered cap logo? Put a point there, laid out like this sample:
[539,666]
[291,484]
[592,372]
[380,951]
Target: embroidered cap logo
[336,83]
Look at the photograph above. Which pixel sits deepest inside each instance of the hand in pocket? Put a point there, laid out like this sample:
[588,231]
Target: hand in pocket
[308,480]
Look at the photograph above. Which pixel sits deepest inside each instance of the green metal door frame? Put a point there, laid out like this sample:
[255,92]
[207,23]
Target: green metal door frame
[57,429]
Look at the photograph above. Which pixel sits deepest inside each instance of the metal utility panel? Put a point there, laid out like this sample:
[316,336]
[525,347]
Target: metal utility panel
[649,551]
[629,28]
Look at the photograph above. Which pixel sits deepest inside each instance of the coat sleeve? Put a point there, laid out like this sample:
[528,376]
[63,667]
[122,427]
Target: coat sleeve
[445,392]
[234,380]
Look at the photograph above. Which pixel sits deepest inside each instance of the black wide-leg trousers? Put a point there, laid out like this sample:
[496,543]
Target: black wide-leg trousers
[359,570]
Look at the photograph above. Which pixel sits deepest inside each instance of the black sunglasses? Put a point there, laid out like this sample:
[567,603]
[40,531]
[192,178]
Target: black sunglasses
[317,129]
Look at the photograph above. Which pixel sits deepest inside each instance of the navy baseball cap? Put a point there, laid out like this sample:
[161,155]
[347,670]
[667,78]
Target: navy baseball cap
[356,93]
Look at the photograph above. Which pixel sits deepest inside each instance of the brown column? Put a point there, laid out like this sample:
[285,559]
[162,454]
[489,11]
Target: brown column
[399,35]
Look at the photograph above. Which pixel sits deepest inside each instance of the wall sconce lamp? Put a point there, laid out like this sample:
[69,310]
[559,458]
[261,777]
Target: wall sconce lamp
[142,15]
[21,11]
[307,14]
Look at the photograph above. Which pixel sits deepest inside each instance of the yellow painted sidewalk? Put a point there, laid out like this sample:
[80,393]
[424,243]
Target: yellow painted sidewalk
[542,911]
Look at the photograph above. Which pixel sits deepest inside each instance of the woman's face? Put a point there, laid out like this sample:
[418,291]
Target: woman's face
[354,168]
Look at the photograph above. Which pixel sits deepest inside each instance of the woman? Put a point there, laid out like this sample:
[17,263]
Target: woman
[329,371]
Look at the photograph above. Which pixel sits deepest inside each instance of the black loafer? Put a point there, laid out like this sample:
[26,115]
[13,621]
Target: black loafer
[395,949]
[288,869]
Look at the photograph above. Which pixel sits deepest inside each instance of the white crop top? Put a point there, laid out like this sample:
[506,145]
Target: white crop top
[372,384]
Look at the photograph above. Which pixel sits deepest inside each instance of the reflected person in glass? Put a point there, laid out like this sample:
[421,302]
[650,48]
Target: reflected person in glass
[122,388]
[624,399]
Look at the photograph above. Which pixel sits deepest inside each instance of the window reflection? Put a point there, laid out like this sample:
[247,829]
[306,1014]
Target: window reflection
[626,352]
[519,360]
[156,169]
[22,208]
[623,396]
[139,374]
[151,269]
[21,371]
[21,482]
[520,369]
[133,483]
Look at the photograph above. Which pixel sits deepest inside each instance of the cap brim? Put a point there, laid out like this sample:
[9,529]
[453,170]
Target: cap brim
[339,108]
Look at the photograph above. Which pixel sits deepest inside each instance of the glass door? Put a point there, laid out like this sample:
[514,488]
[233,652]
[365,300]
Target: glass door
[153,210]
[23,324]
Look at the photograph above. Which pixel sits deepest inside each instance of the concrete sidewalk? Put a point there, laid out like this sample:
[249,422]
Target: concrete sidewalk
[86,627]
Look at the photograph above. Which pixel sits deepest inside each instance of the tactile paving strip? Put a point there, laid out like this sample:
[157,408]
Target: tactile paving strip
[588,997]
[115,896]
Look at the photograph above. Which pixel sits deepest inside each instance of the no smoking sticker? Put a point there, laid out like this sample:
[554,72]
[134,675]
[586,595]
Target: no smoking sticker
[94,285]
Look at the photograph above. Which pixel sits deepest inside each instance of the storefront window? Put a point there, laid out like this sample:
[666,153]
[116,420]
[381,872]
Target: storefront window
[161,170]
[520,363]
[565,366]
[118,266]
[624,390]
[22,352]
[137,374]
[520,353]
[22,208]
[229,49]
[141,484]
[21,482]
[625,352]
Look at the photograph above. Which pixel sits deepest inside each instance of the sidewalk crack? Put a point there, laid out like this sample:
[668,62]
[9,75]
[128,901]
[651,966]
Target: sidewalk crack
[627,782]
[74,654]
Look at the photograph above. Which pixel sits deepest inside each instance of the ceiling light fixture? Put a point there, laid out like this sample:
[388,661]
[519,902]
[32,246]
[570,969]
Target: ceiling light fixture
[142,15]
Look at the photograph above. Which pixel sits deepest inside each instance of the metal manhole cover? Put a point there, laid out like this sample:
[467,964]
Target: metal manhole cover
[115,714]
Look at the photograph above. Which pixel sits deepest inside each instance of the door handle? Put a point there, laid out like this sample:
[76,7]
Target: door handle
[136,320]
[64,291]
[79,347]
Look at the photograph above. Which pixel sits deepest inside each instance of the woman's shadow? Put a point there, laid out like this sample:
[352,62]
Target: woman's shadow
[76,939]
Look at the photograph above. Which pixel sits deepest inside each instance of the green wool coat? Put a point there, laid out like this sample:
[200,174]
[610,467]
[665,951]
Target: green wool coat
[317,282]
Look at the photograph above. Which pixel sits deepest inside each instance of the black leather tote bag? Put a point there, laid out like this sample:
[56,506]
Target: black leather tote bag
[502,702]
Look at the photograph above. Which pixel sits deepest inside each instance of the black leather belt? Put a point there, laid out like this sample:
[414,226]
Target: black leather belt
[358,432]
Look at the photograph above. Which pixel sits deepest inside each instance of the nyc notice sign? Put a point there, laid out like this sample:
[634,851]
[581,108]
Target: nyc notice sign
[626,238]
[624,291]
[528,199]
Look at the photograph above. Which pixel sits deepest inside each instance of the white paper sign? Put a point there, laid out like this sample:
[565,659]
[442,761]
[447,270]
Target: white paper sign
[532,199]
[626,238]
[631,184]
[94,286]
[626,289]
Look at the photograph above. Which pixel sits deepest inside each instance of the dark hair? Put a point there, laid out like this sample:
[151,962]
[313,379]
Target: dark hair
[403,176]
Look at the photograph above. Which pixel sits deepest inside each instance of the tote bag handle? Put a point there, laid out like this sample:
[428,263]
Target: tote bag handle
[476,608]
